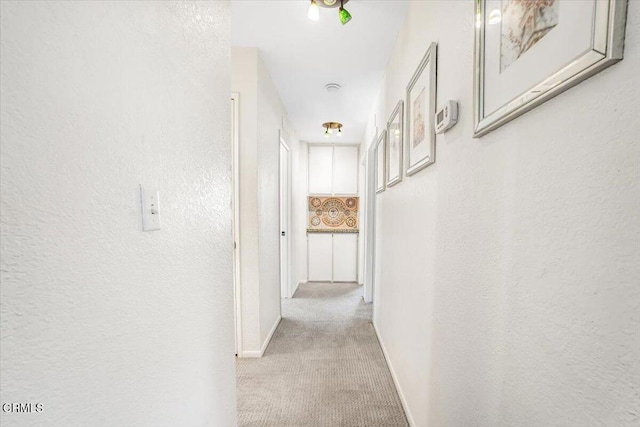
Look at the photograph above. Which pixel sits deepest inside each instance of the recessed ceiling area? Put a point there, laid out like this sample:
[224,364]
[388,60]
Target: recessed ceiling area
[303,56]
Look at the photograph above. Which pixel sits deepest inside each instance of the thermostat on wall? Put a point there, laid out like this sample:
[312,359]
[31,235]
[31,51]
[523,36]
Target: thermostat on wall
[447,116]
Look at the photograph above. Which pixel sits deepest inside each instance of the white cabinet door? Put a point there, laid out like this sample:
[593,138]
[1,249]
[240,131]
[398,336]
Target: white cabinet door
[320,254]
[320,170]
[345,170]
[345,257]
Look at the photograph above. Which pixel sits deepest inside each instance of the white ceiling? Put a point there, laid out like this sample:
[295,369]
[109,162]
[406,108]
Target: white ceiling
[302,56]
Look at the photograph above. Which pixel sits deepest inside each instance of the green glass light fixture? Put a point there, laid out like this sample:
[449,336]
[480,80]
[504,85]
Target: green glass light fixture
[315,5]
[344,14]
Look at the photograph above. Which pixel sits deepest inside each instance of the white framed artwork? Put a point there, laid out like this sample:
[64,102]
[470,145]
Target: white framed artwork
[381,143]
[420,146]
[527,52]
[394,146]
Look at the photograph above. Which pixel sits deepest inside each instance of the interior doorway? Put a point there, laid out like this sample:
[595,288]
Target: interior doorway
[370,221]
[285,219]
[235,218]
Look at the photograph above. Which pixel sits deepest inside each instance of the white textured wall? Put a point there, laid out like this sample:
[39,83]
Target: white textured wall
[508,283]
[261,118]
[270,118]
[298,226]
[102,323]
[361,214]
[375,124]
[300,211]
[244,80]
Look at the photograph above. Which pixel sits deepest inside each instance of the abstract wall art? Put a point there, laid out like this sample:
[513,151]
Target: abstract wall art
[333,214]
[524,23]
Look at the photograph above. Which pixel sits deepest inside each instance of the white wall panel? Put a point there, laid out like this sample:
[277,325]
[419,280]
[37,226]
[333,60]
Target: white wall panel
[345,257]
[345,170]
[270,114]
[320,254]
[511,264]
[93,104]
[299,208]
[320,170]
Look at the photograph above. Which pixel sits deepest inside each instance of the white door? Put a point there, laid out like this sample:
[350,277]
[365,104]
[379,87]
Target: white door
[320,252]
[320,179]
[345,171]
[345,257]
[285,218]
[235,218]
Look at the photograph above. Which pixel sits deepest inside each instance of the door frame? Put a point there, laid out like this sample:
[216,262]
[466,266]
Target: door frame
[284,171]
[370,221]
[235,218]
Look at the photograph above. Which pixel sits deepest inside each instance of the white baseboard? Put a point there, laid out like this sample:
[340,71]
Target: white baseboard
[265,344]
[403,400]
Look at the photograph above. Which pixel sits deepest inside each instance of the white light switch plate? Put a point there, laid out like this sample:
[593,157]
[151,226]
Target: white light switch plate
[150,200]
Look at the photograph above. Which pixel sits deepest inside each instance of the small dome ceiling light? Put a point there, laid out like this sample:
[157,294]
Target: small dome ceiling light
[329,2]
[330,126]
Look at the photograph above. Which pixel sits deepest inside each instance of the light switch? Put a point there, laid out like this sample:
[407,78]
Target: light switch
[150,200]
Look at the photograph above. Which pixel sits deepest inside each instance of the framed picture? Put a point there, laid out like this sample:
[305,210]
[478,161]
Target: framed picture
[380,161]
[394,146]
[421,109]
[332,214]
[527,52]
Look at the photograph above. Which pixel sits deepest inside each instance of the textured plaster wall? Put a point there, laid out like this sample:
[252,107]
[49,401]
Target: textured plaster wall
[270,119]
[368,183]
[507,272]
[298,215]
[244,69]
[104,324]
[262,116]
[362,175]
[300,211]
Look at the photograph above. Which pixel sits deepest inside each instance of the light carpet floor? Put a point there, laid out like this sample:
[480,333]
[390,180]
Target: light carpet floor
[323,367]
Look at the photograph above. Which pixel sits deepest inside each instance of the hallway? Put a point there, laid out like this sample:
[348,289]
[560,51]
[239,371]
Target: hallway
[320,213]
[323,367]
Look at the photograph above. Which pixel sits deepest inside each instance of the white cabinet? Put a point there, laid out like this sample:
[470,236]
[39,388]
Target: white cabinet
[333,257]
[333,171]
[345,257]
[320,257]
[320,170]
[345,170]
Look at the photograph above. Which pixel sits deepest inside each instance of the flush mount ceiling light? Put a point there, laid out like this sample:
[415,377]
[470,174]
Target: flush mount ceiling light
[330,126]
[314,9]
